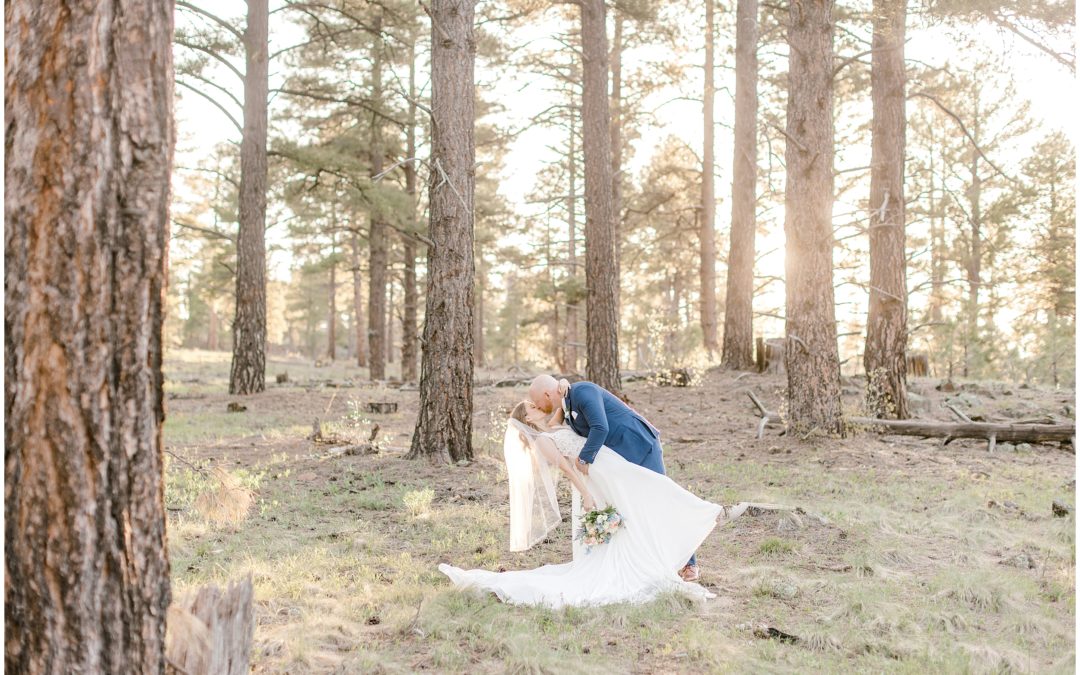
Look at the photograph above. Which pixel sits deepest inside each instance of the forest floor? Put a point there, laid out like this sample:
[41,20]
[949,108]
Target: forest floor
[929,558]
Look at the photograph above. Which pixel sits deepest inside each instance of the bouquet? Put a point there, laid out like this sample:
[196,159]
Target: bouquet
[598,526]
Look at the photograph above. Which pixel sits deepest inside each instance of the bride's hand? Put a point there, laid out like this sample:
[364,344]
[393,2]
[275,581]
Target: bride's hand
[587,503]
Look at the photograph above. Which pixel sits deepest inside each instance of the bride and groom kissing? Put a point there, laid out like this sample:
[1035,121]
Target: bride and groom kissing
[613,458]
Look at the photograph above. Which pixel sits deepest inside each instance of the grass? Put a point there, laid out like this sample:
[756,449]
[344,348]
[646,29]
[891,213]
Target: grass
[906,576]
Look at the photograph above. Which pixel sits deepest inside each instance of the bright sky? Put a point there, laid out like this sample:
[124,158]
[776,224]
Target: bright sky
[1051,90]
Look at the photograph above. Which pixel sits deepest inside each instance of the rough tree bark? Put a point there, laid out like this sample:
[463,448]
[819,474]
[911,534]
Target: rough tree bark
[602,320]
[378,253]
[886,324]
[408,328]
[813,364]
[444,426]
[738,350]
[707,234]
[88,146]
[358,303]
[248,374]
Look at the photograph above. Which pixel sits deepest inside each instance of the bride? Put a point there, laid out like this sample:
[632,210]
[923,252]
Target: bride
[663,523]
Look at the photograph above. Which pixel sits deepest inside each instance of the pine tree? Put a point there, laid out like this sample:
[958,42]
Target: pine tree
[811,357]
[444,425]
[886,335]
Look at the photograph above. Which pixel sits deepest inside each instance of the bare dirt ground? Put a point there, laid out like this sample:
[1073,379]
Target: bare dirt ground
[907,556]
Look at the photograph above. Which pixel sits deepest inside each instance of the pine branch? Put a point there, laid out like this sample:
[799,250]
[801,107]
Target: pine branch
[359,103]
[213,100]
[1009,26]
[213,54]
[213,17]
[963,128]
[205,230]
[217,86]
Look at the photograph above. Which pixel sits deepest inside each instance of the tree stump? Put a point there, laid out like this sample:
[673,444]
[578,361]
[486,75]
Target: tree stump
[774,356]
[212,632]
[918,364]
[675,377]
[381,407]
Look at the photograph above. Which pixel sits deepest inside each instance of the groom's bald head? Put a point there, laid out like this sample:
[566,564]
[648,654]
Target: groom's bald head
[544,392]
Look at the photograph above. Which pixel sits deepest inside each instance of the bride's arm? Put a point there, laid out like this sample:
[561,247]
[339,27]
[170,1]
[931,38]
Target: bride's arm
[552,454]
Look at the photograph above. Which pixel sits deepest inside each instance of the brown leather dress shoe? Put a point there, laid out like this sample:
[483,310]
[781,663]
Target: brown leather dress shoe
[690,573]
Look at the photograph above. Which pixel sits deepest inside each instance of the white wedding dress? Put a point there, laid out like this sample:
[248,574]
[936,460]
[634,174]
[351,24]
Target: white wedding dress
[663,525]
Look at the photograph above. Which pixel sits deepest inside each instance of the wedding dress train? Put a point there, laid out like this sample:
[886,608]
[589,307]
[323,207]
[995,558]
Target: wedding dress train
[663,525]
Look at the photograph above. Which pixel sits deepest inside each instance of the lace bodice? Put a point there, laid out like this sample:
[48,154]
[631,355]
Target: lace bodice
[567,441]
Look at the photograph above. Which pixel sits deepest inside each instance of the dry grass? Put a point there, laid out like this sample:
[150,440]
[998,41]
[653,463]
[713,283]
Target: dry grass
[909,572]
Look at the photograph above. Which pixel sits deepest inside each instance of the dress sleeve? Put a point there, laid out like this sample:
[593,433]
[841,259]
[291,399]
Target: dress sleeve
[568,442]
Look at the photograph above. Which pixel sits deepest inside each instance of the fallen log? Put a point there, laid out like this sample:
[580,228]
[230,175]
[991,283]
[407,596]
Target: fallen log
[991,431]
[1062,432]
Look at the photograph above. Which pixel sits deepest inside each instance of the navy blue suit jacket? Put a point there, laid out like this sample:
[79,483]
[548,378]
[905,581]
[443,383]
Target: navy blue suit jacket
[605,420]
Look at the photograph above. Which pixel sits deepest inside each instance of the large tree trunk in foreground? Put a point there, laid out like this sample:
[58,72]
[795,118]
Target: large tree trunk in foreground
[89,149]
[444,426]
[813,365]
[707,234]
[886,324]
[738,351]
[248,375]
[601,275]
[378,253]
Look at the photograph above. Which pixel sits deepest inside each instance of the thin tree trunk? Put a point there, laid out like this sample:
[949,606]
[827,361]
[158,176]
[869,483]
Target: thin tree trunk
[408,319]
[331,325]
[738,349]
[390,322]
[602,322]
[707,234]
[408,329]
[378,254]
[617,151]
[572,310]
[248,374]
[937,243]
[358,304]
[444,425]
[89,146]
[974,266]
[212,335]
[811,358]
[886,324]
[478,313]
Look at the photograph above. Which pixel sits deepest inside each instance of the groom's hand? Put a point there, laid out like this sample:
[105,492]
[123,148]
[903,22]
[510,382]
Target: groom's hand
[583,467]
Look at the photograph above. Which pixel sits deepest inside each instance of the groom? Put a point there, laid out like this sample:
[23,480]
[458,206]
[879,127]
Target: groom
[595,413]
